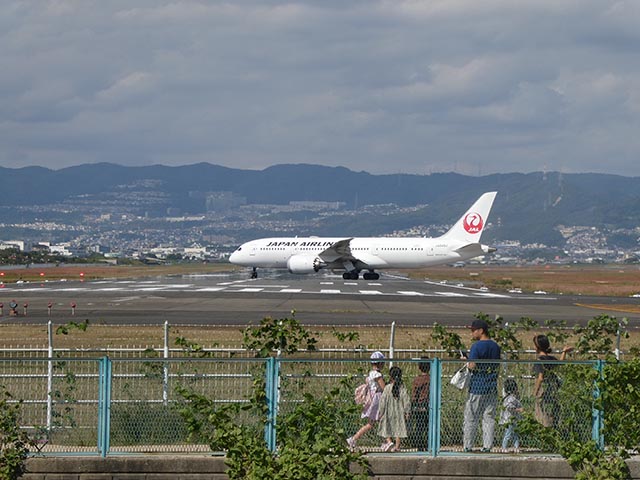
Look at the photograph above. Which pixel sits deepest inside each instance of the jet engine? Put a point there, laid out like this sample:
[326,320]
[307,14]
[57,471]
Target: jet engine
[305,264]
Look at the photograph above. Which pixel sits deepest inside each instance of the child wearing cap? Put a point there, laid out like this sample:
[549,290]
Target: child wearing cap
[376,384]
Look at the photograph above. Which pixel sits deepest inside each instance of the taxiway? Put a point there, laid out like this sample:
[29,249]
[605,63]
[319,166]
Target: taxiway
[234,299]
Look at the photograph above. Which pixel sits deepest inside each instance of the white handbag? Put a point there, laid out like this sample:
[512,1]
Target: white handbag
[461,378]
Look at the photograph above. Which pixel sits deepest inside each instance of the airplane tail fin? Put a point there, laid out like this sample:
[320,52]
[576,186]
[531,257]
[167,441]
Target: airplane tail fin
[470,226]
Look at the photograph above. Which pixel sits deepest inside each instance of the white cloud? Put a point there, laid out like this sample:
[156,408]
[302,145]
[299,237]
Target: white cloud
[376,85]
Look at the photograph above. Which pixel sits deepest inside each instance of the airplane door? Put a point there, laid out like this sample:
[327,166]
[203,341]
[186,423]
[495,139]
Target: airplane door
[252,252]
[375,250]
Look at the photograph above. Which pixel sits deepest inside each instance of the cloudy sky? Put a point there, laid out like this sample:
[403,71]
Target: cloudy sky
[385,86]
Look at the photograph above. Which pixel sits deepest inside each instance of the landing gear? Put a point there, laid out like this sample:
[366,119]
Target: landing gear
[371,275]
[254,273]
[354,274]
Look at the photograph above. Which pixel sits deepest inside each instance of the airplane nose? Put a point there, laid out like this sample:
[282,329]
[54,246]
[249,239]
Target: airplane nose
[238,257]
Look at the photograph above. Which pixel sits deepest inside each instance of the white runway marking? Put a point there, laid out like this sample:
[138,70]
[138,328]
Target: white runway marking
[177,285]
[339,287]
[41,288]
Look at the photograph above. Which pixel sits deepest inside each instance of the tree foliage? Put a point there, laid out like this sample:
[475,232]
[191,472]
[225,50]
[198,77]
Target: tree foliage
[282,335]
[15,443]
[614,392]
[311,438]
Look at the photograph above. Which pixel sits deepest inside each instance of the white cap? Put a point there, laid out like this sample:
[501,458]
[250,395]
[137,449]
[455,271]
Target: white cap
[377,356]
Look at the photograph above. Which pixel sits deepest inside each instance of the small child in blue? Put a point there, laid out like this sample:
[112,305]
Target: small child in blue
[511,410]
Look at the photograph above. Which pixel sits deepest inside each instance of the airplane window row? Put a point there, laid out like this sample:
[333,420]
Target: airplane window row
[324,248]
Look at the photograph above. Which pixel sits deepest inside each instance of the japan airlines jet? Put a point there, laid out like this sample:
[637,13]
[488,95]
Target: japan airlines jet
[355,254]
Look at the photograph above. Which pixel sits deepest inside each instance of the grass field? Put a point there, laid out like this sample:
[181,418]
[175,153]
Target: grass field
[417,339]
[607,280]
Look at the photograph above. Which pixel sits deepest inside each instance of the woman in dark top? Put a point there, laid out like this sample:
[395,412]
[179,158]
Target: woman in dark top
[547,408]
[419,419]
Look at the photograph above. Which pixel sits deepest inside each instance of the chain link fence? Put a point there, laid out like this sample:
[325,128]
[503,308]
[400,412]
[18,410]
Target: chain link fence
[105,406]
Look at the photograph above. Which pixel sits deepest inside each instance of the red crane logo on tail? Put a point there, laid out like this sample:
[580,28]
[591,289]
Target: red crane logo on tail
[473,223]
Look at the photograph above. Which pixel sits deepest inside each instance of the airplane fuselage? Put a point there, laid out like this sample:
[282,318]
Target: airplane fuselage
[372,252]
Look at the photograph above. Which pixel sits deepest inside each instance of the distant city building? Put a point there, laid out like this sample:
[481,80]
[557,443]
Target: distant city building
[195,252]
[19,244]
[304,205]
[222,201]
[41,247]
[100,249]
[63,249]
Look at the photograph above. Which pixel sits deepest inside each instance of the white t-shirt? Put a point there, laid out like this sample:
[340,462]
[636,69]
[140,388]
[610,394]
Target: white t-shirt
[372,380]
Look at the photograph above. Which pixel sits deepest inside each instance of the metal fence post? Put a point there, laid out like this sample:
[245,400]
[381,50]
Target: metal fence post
[165,367]
[392,341]
[597,415]
[49,375]
[104,406]
[271,385]
[435,404]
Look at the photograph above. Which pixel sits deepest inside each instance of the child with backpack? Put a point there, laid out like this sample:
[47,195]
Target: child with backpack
[375,385]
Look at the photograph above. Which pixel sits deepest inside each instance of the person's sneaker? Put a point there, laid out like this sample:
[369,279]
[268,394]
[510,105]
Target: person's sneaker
[386,446]
[351,442]
[485,450]
[467,450]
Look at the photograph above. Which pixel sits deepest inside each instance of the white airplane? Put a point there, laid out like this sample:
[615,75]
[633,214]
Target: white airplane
[354,254]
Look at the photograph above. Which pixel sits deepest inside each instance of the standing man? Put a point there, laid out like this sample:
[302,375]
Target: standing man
[483,387]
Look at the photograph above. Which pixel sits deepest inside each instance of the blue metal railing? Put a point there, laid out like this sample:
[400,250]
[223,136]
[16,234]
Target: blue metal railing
[106,407]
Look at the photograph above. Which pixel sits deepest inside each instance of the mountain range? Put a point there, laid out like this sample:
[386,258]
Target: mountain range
[529,206]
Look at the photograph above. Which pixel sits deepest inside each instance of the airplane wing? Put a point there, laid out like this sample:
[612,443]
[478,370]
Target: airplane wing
[341,250]
[476,249]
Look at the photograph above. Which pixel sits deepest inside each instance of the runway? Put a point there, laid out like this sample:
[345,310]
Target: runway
[234,299]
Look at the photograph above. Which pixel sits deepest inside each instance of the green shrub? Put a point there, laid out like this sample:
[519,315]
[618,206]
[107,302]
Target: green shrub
[14,442]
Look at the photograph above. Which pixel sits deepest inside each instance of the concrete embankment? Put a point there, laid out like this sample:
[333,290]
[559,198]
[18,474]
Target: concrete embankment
[383,467]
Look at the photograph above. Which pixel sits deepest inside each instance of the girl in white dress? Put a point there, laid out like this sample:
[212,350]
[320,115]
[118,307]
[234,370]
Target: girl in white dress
[393,411]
